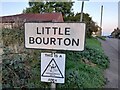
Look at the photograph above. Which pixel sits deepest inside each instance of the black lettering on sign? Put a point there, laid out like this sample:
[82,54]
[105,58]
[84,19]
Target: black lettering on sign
[60,56]
[75,42]
[38,40]
[52,41]
[55,55]
[48,30]
[31,40]
[60,31]
[43,30]
[67,31]
[45,41]
[38,31]
[59,40]
[52,80]
[54,28]
[49,55]
[67,41]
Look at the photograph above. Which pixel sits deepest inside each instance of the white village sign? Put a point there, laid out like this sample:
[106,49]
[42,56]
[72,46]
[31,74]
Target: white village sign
[57,36]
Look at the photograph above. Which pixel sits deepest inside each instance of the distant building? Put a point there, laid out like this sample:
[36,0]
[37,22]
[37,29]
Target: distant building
[116,33]
[17,21]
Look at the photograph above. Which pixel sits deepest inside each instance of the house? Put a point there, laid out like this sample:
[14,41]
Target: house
[17,21]
[116,33]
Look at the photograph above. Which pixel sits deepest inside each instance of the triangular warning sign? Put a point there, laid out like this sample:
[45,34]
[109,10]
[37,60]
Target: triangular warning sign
[52,70]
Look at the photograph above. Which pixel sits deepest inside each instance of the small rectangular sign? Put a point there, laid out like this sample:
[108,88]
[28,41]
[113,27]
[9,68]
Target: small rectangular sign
[57,36]
[52,67]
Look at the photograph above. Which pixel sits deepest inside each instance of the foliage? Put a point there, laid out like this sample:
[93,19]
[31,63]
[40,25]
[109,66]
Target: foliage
[22,69]
[94,43]
[94,52]
[41,7]
[19,72]
[12,36]
[0,76]
[15,72]
[82,76]
[101,37]
[96,56]
[91,26]
[66,9]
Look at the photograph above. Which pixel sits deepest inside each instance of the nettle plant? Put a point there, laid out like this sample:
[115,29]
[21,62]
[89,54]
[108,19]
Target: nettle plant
[15,72]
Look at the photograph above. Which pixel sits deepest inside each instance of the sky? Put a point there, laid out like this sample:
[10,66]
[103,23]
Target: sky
[110,14]
[92,7]
[119,14]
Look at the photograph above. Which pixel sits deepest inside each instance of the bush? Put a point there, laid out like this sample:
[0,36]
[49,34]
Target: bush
[22,69]
[12,36]
[15,71]
[96,56]
[80,74]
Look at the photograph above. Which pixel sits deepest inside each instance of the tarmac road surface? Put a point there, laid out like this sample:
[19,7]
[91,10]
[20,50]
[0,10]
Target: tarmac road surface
[110,47]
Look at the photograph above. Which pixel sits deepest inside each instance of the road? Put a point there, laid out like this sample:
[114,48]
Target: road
[1,52]
[110,47]
[1,44]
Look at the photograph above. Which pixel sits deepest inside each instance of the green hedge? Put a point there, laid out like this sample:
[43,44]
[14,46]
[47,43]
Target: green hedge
[22,69]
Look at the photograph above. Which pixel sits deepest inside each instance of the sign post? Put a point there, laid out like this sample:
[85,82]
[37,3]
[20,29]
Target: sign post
[54,36]
[53,85]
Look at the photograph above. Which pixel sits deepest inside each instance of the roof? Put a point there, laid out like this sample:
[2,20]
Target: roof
[30,17]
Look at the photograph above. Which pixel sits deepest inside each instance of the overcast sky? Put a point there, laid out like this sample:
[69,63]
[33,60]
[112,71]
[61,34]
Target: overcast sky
[92,7]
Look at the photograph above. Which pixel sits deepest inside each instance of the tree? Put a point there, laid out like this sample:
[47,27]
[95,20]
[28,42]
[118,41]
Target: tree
[47,7]
[66,9]
[91,26]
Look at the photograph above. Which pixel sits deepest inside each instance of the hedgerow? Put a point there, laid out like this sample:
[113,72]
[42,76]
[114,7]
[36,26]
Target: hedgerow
[21,67]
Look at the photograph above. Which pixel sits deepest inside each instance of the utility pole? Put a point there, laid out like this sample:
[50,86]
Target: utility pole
[81,16]
[101,19]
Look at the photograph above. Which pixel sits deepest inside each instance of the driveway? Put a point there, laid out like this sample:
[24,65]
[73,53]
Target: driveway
[110,47]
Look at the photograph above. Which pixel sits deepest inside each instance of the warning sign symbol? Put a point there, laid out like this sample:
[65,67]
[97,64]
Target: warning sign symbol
[52,70]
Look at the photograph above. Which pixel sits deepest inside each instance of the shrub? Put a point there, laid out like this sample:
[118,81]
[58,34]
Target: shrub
[96,56]
[22,69]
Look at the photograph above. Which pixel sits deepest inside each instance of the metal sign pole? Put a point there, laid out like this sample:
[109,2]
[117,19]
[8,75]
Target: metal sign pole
[53,85]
